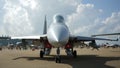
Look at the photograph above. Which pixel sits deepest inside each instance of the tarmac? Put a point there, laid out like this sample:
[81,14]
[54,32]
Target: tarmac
[87,58]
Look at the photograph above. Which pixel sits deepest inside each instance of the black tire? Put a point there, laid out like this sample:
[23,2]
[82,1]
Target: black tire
[74,53]
[41,54]
[0,49]
[57,59]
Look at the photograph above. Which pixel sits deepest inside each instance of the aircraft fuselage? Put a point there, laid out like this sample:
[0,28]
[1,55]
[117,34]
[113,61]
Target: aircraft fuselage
[58,33]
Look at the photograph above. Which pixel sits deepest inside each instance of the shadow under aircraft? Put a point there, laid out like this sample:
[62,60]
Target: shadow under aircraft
[82,61]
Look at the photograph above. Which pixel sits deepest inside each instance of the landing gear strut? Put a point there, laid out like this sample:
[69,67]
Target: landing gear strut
[74,53]
[41,54]
[58,58]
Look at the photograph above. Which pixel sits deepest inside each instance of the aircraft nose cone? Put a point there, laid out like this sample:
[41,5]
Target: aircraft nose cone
[58,35]
[59,38]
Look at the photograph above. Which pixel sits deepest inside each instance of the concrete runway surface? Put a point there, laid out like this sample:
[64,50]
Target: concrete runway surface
[87,58]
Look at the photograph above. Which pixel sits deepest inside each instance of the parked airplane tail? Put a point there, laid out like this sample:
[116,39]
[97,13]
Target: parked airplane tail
[45,26]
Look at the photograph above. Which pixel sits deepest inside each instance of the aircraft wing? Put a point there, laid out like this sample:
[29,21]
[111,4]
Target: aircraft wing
[79,39]
[29,37]
[83,38]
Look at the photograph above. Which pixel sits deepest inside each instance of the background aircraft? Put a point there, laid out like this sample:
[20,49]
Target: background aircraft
[106,34]
[58,35]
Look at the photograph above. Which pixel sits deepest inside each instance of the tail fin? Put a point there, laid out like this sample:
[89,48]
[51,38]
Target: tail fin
[45,26]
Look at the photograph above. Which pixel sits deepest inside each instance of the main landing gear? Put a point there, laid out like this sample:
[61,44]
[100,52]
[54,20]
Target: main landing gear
[71,52]
[45,51]
[41,54]
[74,53]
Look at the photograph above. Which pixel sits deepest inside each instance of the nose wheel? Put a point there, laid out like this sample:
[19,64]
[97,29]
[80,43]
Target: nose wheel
[58,58]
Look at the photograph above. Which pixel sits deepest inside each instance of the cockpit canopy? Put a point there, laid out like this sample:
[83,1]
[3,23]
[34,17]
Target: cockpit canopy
[58,19]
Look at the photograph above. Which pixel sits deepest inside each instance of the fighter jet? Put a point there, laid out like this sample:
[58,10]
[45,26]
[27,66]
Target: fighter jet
[57,36]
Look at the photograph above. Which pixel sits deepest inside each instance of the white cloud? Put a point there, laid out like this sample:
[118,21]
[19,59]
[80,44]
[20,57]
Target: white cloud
[26,17]
[29,3]
[69,2]
[16,19]
[83,7]
[82,29]
[83,19]
[86,20]
[111,24]
[114,18]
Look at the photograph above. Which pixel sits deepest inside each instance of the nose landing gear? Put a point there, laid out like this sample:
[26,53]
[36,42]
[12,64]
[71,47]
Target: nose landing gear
[58,58]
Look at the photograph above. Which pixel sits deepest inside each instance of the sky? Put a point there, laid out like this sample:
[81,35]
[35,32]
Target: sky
[83,17]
